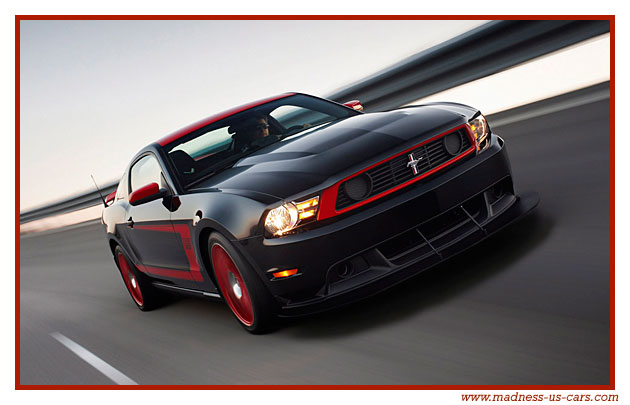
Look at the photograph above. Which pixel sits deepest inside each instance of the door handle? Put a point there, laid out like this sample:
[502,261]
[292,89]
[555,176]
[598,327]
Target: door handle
[130,222]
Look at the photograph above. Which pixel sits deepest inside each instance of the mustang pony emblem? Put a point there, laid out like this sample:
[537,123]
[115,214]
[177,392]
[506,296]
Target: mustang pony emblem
[413,162]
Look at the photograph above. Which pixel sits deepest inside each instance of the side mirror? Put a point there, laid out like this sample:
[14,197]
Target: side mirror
[147,193]
[110,198]
[354,104]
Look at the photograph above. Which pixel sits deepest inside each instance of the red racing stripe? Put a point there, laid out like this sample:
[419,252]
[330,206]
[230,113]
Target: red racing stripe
[159,271]
[184,232]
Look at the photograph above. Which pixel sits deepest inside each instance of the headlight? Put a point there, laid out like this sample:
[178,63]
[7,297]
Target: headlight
[481,132]
[288,216]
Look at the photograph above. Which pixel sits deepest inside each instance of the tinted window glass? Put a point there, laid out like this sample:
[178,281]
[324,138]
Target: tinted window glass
[145,171]
[294,117]
[207,151]
[207,144]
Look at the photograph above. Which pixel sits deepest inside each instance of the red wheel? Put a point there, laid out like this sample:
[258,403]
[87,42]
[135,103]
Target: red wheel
[144,295]
[130,279]
[241,288]
[232,285]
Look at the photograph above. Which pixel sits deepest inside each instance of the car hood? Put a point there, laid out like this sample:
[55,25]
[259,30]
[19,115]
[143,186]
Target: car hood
[324,155]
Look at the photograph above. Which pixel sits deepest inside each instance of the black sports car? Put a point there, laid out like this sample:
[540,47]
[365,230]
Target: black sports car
[296,204]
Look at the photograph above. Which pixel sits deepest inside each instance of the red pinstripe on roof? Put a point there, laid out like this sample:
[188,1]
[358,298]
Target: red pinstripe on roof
[214,118]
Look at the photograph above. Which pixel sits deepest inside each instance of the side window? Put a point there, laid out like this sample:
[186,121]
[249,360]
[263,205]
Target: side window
[145,171]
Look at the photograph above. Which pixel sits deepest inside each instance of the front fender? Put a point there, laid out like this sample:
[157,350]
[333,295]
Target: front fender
[235,216]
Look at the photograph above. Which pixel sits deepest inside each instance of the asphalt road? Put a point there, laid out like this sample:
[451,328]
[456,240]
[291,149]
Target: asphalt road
[528,306]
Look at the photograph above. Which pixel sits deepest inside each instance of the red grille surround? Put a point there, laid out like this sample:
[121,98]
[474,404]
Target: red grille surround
[328,202]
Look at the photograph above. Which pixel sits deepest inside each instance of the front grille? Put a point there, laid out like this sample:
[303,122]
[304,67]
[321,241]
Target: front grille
[395,171]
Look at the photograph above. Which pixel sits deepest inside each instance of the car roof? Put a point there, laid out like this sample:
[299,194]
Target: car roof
[216,117]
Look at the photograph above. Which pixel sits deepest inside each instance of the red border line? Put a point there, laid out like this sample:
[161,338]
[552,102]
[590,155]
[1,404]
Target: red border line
[312,17]
[319,387]
[612,202]
[17,201]
[610,18]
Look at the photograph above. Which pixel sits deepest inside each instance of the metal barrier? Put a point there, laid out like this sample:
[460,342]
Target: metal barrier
[483,51]
[488,49]
[74,203]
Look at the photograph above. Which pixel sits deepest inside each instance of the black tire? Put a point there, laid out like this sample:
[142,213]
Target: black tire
[143,294]
[242,290]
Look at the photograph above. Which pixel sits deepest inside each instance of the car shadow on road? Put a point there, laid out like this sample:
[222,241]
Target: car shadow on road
[432,287]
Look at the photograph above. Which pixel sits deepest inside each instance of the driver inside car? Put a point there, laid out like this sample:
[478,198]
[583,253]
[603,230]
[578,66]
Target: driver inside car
[254,133]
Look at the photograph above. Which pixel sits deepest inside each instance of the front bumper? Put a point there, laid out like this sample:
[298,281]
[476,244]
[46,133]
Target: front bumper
[379,245]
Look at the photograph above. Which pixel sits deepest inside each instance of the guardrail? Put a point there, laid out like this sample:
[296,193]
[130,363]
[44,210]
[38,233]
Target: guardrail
[483,51]
[76,202]
[488,49]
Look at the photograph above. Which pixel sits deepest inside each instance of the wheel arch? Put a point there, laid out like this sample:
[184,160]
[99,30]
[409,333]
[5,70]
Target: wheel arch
[205,228]
[204,253]
[112,245]
[236,217]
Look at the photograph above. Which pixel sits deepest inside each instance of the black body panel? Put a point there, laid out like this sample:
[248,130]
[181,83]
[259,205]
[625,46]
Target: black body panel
[151,236]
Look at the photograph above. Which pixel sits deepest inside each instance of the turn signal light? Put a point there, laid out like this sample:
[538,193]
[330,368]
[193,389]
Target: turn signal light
[308,204]
[306,214]
[308,208]
[285,273]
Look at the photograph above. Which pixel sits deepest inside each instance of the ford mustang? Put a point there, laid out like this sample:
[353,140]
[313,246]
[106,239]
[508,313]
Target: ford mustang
[295,204]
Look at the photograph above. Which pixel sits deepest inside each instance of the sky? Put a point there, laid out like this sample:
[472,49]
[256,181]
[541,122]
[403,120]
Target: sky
[93,93]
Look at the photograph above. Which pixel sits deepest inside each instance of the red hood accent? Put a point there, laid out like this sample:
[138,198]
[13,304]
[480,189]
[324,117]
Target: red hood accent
[214,118]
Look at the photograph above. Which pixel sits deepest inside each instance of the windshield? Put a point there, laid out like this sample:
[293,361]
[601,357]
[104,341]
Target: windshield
[220,145]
